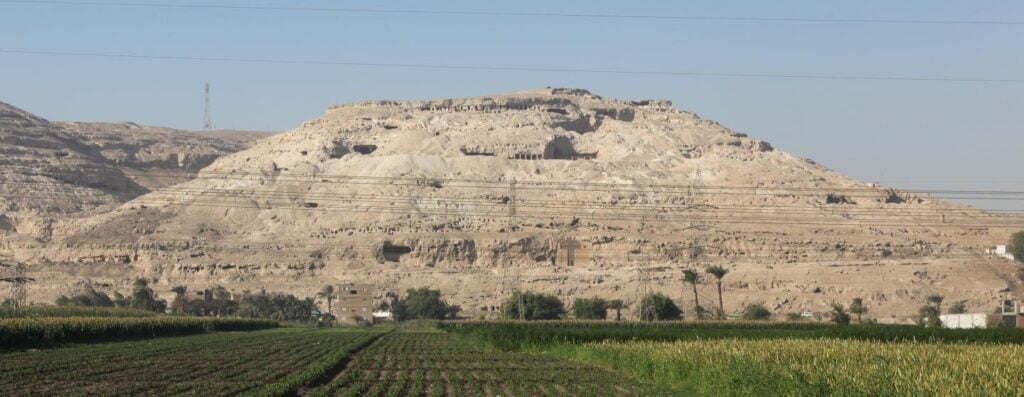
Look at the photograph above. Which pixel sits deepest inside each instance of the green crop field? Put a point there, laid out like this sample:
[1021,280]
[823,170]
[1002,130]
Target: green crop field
[490,359]
[519,335]
[439,364]
[270,362]
[308,361]
[765,358]
[47,331]
[818,367]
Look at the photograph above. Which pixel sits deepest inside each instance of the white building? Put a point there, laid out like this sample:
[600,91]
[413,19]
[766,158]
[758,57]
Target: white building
[965,321]
[1000,251]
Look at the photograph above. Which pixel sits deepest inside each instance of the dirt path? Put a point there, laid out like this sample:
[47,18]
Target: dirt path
[338,369]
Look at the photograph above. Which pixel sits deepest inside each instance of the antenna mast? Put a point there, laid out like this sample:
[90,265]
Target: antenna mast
[207,119]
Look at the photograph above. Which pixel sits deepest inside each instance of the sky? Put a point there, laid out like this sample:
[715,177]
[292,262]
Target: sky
[906,133]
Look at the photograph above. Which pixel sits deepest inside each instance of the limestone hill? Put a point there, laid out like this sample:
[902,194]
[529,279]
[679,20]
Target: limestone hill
[557,190]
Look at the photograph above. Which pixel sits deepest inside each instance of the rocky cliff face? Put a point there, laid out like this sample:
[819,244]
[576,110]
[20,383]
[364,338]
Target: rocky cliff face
[558,190]
[157,157]
[53,171]
[44,170]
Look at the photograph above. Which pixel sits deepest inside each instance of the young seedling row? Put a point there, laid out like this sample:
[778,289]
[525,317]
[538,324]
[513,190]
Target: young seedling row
[439,364]
[270,362]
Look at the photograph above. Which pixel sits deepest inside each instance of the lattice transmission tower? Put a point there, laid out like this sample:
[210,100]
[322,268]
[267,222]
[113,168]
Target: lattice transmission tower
[509,226]
[14,274]
[207,118]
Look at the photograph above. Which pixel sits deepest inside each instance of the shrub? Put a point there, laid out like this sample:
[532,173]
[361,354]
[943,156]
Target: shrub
[535,306]
[835,198]
[590,309]
[958,307]
[839,315]
[657,306]
[893,196]
[756,312]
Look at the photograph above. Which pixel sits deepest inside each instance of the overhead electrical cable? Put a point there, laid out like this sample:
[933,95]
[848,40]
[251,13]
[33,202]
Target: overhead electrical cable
[478,13]
[500,68]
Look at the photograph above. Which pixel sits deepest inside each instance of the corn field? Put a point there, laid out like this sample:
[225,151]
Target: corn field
[512,335]
[73,311]
[815,367]
[44,331]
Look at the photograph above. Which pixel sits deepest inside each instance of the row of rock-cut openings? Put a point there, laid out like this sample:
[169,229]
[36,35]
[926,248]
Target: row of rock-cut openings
[492,108]
[364,149]
[340,149]
[557,156]
[653,104]
[533,156]
[559,148]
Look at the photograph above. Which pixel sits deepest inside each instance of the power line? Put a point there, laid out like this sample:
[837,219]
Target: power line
[667,218]
[666,205]
[709,18]
[511,68]
[500,183]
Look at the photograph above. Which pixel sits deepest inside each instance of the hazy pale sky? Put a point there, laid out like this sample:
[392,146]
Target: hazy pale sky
[925,134]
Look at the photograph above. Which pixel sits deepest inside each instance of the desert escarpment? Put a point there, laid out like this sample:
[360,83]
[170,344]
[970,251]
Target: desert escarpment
[557,190]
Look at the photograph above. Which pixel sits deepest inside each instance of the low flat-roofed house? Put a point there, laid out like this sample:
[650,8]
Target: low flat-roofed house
[381,315]
[1012,314]
[1000,251]
[355,302]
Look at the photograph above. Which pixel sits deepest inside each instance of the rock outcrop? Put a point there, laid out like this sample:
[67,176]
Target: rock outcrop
[52,171]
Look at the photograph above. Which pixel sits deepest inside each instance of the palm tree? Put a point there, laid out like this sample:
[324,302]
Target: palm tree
[179,295]
[691,276]
[617,305]
[327,292]
[936,300]
[719,272]
[857,307]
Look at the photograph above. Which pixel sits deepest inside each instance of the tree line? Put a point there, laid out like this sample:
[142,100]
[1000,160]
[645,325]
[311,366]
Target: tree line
[219,302]
[426,304]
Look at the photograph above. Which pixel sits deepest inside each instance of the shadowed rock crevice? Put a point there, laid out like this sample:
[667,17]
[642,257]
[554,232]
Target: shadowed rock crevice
[364,149]
[390,252]
[562,148]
